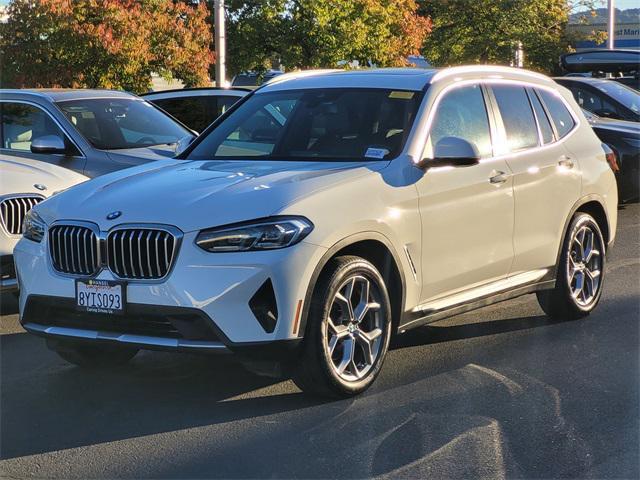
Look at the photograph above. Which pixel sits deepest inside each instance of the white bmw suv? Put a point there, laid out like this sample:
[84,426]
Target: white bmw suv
[323,214]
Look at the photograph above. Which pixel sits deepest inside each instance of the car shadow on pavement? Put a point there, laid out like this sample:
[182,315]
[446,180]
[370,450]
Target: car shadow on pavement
[48,404]
[437,333]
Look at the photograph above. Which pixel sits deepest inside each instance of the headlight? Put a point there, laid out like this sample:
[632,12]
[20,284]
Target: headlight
[267,234]
[33,227]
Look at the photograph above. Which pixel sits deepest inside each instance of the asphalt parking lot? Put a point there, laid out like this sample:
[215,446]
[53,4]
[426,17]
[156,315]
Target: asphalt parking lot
[499,392]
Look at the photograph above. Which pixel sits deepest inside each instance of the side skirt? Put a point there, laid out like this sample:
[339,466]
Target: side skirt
[417,319]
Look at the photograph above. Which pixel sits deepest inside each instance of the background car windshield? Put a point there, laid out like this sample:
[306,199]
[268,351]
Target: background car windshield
[323,124]
[623,94]
[111,124]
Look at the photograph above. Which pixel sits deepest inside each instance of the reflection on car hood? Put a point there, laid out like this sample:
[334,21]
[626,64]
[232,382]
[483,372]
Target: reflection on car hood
[153,152]
[199,194]
[19,175]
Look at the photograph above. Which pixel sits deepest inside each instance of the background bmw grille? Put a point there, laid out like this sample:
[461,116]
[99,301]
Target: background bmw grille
[13,210]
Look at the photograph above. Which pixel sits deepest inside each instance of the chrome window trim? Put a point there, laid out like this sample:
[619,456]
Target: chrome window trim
[489,82]
[55,120]
[9,196]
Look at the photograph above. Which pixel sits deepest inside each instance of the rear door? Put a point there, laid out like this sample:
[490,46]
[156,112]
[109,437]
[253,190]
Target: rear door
[547,178]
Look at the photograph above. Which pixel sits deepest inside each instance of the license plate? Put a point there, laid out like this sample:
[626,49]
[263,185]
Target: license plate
[100,296]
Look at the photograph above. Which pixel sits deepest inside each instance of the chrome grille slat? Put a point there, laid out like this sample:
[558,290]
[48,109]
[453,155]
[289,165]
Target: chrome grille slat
[13,211]
[132,253]
[74,249]
[141,253]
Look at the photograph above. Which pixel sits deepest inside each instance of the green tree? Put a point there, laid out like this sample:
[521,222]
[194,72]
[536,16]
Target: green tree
[322,33]
[486,31]
[104,43]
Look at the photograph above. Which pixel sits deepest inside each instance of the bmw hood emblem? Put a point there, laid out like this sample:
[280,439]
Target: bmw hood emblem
[114,215]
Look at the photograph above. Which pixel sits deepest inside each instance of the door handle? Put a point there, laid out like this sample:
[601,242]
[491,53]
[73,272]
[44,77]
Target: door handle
[565,162]
[498,177]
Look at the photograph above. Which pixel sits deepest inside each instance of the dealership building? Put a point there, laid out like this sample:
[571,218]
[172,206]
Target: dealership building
[627,35]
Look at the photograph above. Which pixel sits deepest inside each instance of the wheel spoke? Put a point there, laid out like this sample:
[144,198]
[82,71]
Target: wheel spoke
[587,245]
[345,305]
[348,352]
[579,283]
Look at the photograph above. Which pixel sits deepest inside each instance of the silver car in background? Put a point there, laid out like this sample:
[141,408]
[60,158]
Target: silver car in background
[92,132]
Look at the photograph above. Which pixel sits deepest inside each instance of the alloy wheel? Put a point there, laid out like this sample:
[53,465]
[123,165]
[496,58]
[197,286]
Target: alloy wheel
[354,328]
[584,265]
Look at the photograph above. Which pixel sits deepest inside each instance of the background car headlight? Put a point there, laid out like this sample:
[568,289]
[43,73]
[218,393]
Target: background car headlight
[267,234]
[33,227]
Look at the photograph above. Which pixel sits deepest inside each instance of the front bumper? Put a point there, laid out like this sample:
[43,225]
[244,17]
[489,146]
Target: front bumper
[203,305]
[8,280]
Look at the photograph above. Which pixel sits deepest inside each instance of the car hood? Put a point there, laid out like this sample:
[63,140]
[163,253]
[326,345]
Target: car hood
[20,175]
[621,126]
[192,195]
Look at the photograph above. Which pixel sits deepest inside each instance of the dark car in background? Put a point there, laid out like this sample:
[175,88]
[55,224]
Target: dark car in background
[254,79]
[604,97]
[196,107]
[624,139]
[92,132]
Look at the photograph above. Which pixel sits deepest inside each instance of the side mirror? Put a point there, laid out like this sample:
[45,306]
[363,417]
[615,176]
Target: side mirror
[48,144]
[453,152]
[183,143]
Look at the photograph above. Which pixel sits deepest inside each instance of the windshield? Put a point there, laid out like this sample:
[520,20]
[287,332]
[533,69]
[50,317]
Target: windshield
[316,124]
[623,94]
[110,124]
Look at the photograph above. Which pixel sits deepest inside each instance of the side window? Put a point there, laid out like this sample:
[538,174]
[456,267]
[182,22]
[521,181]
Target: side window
[592,101]
[21,123]
[560,116]
[224,103]
[461,113]
[517,116]
[543,121]
[192,111]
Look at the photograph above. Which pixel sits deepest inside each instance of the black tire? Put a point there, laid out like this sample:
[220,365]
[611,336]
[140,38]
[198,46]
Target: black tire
[559,303]
[315,372]
[93,356]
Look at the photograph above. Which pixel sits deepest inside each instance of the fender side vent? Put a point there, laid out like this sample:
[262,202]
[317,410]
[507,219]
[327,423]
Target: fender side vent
[264,307]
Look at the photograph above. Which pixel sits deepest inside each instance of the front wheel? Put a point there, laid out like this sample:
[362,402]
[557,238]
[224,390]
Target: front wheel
[348,330]
[580,272]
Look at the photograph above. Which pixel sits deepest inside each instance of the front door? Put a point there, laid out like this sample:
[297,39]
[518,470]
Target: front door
[467,212]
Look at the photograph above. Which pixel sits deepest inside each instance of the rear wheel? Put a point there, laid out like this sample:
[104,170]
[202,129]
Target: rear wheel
[580,272]
[348,330]
[92,356]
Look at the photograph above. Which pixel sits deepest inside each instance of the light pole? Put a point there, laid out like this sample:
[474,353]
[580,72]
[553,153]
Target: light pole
[218,26]
[611,25]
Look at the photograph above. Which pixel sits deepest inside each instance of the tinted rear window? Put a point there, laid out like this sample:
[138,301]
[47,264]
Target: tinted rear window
[560,115]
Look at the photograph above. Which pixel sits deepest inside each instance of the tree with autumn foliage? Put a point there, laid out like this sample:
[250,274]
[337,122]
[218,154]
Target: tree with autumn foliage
[487,31]
[104,43]
[322,33]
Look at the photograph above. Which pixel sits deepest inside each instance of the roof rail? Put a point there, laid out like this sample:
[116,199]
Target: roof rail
[495,69]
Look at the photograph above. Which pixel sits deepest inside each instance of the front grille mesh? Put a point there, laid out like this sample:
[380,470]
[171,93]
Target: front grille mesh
[74,249]
[13,210]
[140,253]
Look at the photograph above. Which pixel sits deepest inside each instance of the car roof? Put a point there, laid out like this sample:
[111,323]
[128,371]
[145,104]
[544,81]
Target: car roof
[62,94]
[395,78]
[196,92]
[591,80]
